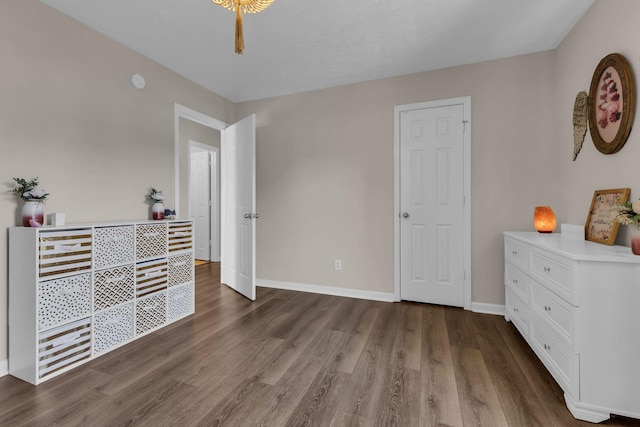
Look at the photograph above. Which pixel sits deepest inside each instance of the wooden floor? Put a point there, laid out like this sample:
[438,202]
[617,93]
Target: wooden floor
[294,359]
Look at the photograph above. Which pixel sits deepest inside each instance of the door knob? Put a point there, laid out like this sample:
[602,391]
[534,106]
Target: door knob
[247,216]
[405,215]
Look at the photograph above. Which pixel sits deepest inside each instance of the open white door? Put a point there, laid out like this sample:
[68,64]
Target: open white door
[238,180]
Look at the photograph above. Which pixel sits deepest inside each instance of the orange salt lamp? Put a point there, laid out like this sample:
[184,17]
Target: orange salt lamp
[543,219]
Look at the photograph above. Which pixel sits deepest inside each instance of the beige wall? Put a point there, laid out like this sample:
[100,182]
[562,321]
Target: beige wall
[325,171]
[69,115]
[576,59]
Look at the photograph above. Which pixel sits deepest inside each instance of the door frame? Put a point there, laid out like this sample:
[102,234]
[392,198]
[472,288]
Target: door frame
[214,196]
[397,111]
[182,112]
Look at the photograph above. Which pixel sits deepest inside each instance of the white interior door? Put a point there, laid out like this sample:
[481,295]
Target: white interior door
[239,210]
[432,248]
[200,203]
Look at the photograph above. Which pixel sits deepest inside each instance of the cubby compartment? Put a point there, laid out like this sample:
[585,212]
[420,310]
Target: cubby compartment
[180,236]
[113,246]
[180,269]
[63,346]
[64,252]
[180,302]
[151,241]
[113,328]
[151,312]
[151,276]
[113,286]
[63,299]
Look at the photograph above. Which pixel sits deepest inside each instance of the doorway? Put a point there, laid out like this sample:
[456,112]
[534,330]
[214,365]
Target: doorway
[204,199]
[237,193]
[432,220]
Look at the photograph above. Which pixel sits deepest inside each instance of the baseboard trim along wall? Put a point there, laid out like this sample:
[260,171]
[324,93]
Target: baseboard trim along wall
[4,367]
[326,290]
[480,307]
[476,307]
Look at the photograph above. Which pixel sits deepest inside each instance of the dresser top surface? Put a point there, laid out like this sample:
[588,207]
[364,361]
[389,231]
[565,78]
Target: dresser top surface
[579,250]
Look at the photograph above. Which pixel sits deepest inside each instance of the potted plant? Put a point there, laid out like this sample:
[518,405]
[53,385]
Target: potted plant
[157,208]
[34,199]
[629,214]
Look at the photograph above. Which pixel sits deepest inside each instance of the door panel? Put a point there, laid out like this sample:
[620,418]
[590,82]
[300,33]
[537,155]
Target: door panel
[238,222]
[431,196]
[199,199]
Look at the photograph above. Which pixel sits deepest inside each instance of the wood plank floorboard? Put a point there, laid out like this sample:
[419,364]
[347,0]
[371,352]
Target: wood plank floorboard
[300,359]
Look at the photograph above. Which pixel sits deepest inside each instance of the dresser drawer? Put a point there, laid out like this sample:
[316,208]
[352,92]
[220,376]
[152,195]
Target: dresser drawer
[63,299]
[554,273]
[518,312]
[557,357]
[113,246]
[516,280]
[516,253]
[555,310]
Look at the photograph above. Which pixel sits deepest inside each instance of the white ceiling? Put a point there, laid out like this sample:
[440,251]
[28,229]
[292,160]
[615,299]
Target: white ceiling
[300,45]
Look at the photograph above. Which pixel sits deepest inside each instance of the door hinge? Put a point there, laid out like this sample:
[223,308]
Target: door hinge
[210,243]
[464,276]
[210,203]
[464,125]
[464,201]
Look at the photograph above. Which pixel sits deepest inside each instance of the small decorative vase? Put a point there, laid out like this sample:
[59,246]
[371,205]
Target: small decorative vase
[157,210]
[33,213]
[635,239]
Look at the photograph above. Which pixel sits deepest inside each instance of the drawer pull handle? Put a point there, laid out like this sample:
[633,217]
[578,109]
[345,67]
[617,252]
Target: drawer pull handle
[179,264]
[116,239]
[515,282]
[547,308]
[514,252]
[515,309]
[69,248]
[151,234]
[115,279]
[547,347]
[67,291]
[547,269]
[152,273]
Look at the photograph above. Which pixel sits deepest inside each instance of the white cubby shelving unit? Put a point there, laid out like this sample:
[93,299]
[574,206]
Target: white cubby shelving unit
[79,291]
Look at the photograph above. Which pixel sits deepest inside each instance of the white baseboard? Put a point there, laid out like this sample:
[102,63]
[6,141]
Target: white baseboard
[476,307]
[481,307]
[4,367]
[327,290]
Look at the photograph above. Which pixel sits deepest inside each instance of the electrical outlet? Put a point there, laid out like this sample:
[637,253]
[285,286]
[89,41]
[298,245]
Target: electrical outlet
[338,264]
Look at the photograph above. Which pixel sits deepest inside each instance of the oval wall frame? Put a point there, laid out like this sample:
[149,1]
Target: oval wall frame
[611,103]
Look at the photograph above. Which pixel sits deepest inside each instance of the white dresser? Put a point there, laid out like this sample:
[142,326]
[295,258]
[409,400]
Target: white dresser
[79,291]
[577,303]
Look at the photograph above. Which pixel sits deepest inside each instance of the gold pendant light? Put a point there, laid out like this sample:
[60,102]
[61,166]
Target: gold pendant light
[240,7]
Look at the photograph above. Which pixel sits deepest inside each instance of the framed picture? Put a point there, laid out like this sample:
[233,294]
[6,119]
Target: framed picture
[601,226]
[611,103]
